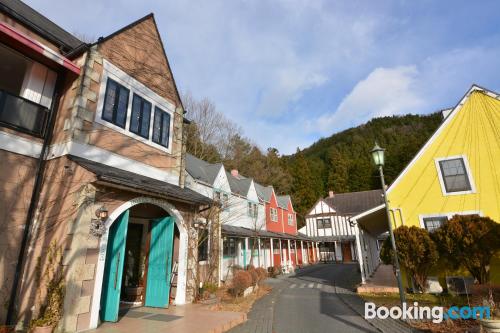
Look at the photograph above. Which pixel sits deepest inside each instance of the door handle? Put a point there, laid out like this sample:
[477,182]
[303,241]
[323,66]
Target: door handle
[116,271]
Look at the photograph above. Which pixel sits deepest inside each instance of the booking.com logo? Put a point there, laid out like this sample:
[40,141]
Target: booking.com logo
[436,313]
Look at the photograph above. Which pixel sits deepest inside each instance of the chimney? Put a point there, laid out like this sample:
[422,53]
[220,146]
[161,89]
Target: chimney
[234,173]
[331,194]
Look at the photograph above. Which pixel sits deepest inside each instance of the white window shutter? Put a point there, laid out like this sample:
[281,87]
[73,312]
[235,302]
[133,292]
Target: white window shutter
[39,83]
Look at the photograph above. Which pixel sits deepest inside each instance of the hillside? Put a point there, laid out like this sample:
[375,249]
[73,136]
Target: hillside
[342,162]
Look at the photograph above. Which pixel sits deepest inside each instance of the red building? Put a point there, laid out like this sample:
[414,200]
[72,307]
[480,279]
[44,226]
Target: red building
[289,248]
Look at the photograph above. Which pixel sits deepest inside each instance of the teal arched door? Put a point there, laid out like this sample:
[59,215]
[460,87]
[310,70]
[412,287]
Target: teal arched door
[113,269]
[160,262]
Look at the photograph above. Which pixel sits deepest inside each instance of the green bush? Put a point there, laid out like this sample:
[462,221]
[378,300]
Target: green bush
[417,253]
[471,241]
[210,287]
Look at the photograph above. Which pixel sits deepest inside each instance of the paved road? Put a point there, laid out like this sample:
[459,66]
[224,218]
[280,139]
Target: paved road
[308,303]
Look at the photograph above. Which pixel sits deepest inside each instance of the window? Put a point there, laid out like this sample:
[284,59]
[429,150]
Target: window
[161,127]
[115,104]
[141,116]
[229,247]
[290,219]
[131,108]
[274,214]
[26,91]
[223,198]
[203,245]
[454,175]
[252,210]
[324,223]
[433,223]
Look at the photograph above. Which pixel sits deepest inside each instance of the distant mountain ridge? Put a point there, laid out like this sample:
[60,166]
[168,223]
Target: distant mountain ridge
[342,162]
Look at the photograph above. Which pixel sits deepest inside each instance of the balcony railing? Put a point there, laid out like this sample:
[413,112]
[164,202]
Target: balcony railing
[22,114]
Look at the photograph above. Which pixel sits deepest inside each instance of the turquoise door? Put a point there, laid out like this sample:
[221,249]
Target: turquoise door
[113,269]
[160,262]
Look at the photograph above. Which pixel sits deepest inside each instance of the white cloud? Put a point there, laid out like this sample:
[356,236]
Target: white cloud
[385,91]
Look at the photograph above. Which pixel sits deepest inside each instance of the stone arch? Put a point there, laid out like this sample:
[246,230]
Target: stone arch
[180,297]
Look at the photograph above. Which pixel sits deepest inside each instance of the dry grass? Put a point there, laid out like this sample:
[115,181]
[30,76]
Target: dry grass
[238,304]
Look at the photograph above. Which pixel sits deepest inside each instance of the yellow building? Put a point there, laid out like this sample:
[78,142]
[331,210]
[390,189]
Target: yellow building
[456,172]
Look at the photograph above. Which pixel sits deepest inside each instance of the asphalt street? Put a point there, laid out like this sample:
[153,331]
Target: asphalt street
[307,302]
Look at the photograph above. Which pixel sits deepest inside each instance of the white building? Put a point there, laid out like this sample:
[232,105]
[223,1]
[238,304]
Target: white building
[329,223]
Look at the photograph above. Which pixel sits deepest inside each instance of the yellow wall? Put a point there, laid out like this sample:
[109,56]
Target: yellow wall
[472,130]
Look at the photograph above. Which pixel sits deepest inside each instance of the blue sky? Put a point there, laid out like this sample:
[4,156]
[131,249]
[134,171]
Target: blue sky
[292,71]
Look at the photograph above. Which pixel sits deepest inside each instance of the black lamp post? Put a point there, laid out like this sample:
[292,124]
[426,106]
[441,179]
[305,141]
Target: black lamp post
[378,159]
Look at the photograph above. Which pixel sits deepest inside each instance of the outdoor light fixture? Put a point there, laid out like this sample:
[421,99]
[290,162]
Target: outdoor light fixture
[98,225]
[378,159]
[378,155]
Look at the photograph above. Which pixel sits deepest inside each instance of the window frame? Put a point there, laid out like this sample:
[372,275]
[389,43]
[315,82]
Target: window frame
[142,102]
[271,210]
[468,172]
[448,215]
[232,248]
[115,109]
[323,227]
[290,219]
[110,71]
[163,115]
[435,217]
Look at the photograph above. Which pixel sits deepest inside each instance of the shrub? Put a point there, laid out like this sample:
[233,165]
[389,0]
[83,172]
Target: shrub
[417,253]
[276,271]
[471,241]
[241,281]
[210,287]
[262,273]
[255,276]
[250,267]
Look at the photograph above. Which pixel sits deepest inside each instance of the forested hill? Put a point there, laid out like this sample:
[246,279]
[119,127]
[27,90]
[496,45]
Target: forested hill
[342,162]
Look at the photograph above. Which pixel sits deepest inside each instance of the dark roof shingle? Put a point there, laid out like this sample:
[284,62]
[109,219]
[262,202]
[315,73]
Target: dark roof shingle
[353,203]
[132,180]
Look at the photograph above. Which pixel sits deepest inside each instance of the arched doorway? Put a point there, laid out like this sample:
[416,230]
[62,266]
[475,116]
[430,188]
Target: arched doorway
[156,222]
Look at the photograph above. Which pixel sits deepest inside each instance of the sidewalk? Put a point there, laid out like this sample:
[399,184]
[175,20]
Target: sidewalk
[260,317]
[356,303]
[195,318]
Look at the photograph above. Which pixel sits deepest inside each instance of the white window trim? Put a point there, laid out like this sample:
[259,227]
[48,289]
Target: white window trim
[448,215]
[134,87]
[274,217]
[467,170]
[290,220]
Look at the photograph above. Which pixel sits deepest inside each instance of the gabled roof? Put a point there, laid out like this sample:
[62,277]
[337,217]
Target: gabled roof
[353,203]
[137,182]
[283,201]
[450,115]
[239,185]
[133,24]
[264,192]
[40,24]
[201,170]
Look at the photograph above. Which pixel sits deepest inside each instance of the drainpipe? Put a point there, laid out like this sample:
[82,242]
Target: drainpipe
[35,196]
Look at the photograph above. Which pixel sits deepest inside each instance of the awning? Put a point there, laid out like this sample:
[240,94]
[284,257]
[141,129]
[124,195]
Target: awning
[333,238]
[135,182]
[37,47]
[236,231]
[374,220]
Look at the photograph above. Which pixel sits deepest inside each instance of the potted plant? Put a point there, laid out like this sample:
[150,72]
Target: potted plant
[492,324]
[51,312]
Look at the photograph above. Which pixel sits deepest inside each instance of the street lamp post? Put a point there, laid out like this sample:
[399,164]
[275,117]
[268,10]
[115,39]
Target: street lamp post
[378,159]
